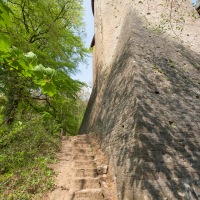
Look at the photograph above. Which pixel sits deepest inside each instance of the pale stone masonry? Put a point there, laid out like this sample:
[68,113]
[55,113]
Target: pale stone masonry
[145,104]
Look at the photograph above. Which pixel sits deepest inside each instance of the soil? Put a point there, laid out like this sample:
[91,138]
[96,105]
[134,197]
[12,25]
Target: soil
[82,172]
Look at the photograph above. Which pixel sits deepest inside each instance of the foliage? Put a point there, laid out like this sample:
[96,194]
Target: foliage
[40,47]
[25,153]
[51,29]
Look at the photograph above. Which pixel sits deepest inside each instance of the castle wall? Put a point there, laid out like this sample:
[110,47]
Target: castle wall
[145,104]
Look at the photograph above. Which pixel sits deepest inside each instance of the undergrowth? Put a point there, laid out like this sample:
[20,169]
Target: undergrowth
[26,150]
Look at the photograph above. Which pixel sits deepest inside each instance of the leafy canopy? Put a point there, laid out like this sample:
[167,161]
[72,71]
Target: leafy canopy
[52,30]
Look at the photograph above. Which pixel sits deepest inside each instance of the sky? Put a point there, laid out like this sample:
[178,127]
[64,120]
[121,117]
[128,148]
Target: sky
[85,74]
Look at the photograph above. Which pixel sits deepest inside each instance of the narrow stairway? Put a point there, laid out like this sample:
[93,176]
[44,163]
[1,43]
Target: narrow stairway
[86,182]
[79,176]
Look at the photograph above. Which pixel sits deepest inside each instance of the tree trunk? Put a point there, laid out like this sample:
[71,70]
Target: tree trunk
[14,97]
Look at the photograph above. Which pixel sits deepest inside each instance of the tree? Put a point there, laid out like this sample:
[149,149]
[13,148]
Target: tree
[52,30]
[40,47]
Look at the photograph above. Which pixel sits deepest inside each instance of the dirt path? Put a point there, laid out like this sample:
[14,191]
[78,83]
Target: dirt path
[82,172]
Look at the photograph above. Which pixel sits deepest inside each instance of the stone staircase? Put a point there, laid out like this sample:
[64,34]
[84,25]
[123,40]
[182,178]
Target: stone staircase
[86,185]
[82,173]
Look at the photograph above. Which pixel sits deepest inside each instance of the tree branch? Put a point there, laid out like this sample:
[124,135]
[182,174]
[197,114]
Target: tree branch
[24,17]
[45,99]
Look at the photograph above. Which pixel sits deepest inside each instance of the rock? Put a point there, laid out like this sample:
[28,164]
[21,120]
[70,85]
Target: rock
[103,184]
[63,188]
[102,169]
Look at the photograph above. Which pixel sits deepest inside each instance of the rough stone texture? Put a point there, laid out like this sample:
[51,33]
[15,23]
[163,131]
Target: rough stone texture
[77,174]
[145,104]
[197,6]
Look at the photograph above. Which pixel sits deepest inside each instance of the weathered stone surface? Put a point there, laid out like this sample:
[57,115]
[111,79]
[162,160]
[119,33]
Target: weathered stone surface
[197,6]
[145,104]
[102,169]
[85,183]
[88,194]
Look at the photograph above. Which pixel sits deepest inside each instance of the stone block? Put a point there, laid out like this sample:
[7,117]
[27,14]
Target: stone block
[102,169]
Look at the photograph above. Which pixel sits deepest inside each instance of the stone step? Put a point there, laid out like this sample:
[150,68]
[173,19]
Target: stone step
[82,145]
[89,194]
[82,135]
[86,172]
[64,157]
[67,153]
[88,154]
[81,141]
[82,138]
[83,157]
[83,150]
[85,164]
[86,183]
[69,148]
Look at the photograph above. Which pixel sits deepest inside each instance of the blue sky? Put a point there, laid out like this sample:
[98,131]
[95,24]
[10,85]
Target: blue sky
[85,74]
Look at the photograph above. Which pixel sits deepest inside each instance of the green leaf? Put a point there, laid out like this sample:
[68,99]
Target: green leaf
[5,44]
[4,14]
[25,67]
[38,71]
[31,58]
[49,71]
[49,89]
[15,51]
[41,82]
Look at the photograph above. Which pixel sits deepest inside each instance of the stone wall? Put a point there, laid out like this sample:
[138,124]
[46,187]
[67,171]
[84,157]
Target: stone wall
[145,104]
[197,6]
